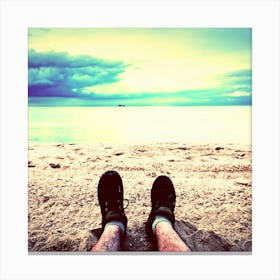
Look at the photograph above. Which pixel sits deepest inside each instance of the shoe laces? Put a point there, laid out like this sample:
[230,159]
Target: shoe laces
[166,201]
[115,206]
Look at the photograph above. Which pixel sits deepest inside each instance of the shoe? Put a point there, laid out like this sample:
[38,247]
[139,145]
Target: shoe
[163,198]
[110,197]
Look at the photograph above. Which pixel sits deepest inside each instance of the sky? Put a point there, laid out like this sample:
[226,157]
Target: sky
[139,66]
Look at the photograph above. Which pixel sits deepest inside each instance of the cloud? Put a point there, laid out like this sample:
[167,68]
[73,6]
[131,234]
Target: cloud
[237,84]
[60,74]
[239,93]
[238,79]
[210,97]
[57,76]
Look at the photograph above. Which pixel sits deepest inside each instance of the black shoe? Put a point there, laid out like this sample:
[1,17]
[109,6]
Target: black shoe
[163,198]
[110,197]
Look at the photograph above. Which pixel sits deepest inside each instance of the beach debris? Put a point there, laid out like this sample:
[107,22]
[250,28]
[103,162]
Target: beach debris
[60,145]
[219,148]
[240,156]
[53,165]
[183,148]
[46,198]
[151,174]
[119,154]
[30,164]
[246,184]
[141,150]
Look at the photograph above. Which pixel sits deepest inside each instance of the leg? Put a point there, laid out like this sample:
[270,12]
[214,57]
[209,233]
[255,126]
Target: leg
[114,221]
[168,240]
[160,224]
[110,239]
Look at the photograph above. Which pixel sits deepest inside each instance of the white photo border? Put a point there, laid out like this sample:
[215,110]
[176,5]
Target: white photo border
[18,16]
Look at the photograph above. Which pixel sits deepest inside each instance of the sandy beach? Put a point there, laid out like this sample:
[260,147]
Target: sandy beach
[213,185]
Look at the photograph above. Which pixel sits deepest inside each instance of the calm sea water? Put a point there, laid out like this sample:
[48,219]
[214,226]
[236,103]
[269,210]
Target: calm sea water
[140,124]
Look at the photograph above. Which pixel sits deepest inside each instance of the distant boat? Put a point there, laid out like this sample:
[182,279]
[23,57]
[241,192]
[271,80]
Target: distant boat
[121,105]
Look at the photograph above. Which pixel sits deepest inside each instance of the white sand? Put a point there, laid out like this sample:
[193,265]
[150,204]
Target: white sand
[213,188]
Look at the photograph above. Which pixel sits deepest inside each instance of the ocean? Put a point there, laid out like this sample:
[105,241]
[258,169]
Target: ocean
[136,125]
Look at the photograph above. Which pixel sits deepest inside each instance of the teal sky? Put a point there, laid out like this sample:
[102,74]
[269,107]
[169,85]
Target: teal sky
[139,67]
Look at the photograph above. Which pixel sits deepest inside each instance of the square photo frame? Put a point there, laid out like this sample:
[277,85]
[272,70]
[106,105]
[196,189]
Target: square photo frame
[17,17]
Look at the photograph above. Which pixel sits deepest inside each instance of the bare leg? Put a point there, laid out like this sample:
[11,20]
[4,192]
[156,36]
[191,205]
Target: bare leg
[110,239]
[168,240]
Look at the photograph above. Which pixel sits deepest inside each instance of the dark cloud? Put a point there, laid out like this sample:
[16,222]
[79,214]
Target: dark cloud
[241,80]
[60,74]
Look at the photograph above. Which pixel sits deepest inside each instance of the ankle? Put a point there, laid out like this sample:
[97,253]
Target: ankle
[160,221]
[117,225]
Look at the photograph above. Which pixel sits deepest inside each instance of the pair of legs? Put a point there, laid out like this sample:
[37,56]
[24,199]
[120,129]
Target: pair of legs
[167,239]
[160,224]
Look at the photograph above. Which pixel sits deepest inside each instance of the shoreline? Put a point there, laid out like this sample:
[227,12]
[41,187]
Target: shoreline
[213,185]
